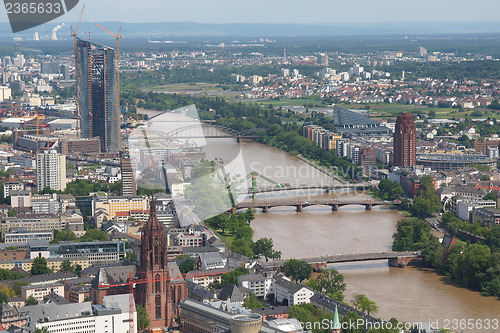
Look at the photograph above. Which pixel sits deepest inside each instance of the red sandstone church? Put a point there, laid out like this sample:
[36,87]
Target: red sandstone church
[159,285]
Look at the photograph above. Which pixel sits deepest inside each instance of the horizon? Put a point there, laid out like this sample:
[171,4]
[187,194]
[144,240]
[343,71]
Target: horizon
[317,12]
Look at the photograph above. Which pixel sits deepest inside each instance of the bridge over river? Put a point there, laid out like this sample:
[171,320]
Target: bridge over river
[299,206]
[396,259]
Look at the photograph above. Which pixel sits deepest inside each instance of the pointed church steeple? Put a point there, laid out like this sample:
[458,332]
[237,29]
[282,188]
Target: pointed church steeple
[153,242]
[336,322]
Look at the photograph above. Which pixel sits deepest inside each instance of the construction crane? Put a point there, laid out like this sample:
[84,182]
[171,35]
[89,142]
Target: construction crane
[117,36]
[74,34]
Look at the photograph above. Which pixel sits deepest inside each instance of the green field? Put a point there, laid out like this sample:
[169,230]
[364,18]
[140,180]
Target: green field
[185,87]
[291,102]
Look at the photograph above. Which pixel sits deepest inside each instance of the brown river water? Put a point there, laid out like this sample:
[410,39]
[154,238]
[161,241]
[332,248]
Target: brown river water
[408,294]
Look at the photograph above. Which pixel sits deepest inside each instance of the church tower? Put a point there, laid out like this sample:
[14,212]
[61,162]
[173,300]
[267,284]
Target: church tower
[336,322]
[154,294]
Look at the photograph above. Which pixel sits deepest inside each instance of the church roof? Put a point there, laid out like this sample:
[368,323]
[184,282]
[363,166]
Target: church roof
[113,275]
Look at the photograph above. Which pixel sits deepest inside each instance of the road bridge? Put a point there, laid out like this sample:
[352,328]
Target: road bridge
[396,259]
[299,205]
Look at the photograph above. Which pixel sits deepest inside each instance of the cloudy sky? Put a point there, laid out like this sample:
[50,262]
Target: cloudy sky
[284,11]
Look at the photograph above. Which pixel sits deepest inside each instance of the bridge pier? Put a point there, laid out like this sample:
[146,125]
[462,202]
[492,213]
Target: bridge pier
[401,262]
[335,207]
[265,209]
[368,206]
[299,208]
[238,139]
[317,267]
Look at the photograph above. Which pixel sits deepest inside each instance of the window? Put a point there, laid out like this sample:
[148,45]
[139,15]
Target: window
[157,284]
[158,307]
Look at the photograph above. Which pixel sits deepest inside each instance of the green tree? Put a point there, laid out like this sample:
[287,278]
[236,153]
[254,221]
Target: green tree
[187,265]
[471,266]
[142,317]
[249,215]
[490,196]
[3,298]
[42,330]
[297,270]
[264,247]
[389,190]
[364,304]
[12,213]
[39,266]
[66,266]
[427,202]
[243,246]
[16,286]
[252,302]
[232,277]
[64,235]
[93,235]
[331,283]
[31,301]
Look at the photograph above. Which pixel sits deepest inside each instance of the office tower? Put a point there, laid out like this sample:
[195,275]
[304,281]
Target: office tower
[128,181]
[50,67]
[97,94]
[322,59]
[405,141]
[51,171]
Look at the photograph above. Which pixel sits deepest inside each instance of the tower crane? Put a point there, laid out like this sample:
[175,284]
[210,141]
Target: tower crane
[74,34]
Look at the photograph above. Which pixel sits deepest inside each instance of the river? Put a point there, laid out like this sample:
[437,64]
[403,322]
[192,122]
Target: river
[408,294]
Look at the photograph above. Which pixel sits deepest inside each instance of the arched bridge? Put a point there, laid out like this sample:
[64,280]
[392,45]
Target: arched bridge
[299,205]
[396,259]
[210,131]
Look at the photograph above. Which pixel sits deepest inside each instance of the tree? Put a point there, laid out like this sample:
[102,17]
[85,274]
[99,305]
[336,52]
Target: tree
[12,213]
[427,202]
[252,302]
[264,247]
[31,301]
[42,330]
[485,177]
[298,270]
[243,246]
[187,265]
[142,317]
[64,235]
[66,266]
[39,266]
[16,286]
[232,277]
[249,215]
[432,114]
[490,196]
[389,190]
[364,304]
[470,267]
[94,235]
[331,282]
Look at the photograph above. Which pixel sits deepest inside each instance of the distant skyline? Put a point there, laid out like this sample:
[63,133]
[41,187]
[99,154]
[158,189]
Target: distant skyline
[321,12]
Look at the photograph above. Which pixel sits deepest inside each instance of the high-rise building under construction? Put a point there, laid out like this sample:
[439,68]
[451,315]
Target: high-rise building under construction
[97,94]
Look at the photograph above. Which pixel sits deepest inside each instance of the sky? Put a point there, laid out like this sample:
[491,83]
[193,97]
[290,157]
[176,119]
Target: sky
[283,11]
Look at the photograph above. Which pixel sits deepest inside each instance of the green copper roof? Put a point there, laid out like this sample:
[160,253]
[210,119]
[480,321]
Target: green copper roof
[336,321]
